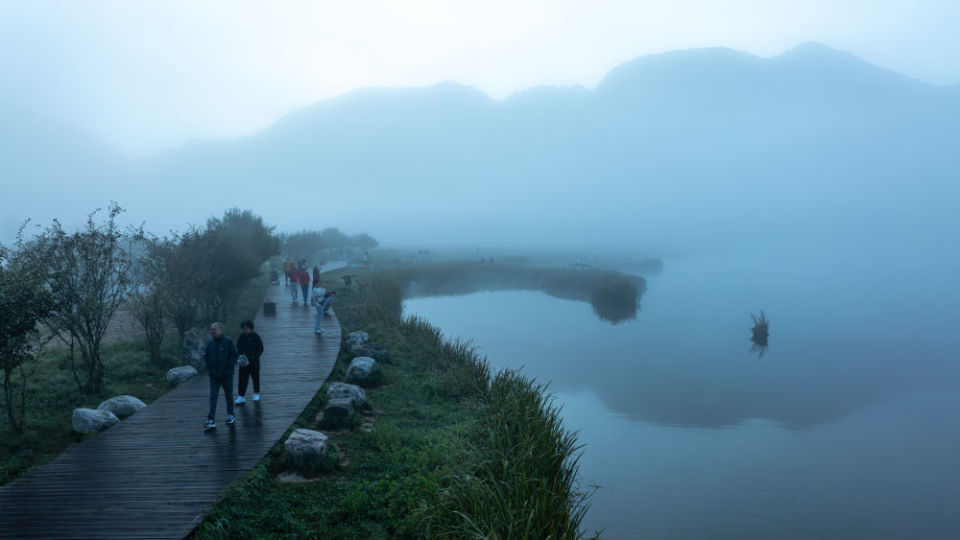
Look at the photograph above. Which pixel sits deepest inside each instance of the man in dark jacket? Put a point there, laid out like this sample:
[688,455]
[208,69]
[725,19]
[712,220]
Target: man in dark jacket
[221,357]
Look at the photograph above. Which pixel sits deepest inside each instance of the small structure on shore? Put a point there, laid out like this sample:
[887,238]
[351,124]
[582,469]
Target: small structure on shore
[760,333]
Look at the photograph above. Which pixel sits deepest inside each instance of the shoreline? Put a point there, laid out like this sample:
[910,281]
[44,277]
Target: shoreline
[447,448]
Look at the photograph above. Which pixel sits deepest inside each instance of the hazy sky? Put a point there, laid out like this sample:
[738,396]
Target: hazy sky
[146,75]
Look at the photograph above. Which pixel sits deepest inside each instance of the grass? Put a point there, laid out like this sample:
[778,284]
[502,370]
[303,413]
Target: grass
[52,393]
[446,449]
[613,295]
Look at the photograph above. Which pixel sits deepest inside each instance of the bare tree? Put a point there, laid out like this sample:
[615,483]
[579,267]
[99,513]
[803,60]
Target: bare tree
[88,275]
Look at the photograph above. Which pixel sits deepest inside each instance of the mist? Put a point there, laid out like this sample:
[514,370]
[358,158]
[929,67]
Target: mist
[685,152]
[808,183]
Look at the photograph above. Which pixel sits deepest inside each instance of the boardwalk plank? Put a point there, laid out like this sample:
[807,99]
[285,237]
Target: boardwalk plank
[158,473]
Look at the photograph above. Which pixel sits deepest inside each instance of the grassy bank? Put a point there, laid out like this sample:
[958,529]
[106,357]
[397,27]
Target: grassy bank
[446,449]
[613,295]
[52,393]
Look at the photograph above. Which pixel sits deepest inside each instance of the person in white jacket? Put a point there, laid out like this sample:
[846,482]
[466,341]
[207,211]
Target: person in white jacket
[320,299]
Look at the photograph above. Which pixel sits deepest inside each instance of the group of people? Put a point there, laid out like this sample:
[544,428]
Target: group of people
[298,281]
[222,356]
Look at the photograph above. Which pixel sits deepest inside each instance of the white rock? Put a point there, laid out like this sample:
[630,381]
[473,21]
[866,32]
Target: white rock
[305,444]
[122,406]
[180,374]
[362,368]
[92,420]
[341,409]
[356,339]
[354,393]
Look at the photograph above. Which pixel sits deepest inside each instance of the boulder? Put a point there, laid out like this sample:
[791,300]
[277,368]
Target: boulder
[306,444]
[122,406]
[338,411]
[180,374]
[362,369]
[355,339]
[194,348]
[92,420]
[352,392]
[370,350]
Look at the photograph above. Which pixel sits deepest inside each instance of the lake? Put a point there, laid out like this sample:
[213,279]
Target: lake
[847,427]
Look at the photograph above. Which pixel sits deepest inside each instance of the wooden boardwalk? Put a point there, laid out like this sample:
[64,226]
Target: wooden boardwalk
[157,473]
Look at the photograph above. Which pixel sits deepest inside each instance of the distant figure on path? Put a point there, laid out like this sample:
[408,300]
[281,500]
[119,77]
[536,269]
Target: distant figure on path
[304,279]
[221,356]
[294,284]
[287,267]
[316,274]
[249,344]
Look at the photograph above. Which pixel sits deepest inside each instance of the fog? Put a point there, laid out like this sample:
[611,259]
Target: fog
[814,180]
[684,152]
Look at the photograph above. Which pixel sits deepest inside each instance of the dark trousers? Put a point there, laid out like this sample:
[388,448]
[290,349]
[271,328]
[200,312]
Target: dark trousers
[215,384]
[305,289]
[252,370]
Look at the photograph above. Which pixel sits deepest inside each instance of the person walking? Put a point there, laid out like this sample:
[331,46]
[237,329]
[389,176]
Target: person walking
[321,300]
[221,356]
[294,285]
[316,274]
[304,279]
[250,345]
[287,266]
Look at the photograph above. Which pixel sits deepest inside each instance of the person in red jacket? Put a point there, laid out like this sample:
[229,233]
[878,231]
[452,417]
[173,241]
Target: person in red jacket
[303,278]
[292,278]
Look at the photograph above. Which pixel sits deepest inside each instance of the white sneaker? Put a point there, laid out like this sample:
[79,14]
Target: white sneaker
[241,399]
[256,397]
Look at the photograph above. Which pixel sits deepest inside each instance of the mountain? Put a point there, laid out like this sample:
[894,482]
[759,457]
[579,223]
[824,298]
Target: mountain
[699,148]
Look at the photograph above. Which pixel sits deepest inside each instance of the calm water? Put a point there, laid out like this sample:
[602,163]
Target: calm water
[848,427]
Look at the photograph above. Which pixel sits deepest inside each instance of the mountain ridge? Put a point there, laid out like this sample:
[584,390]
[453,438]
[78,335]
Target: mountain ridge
[708,144]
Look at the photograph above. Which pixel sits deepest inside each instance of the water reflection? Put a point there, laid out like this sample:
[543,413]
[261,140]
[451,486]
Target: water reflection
[845,429]
[683,361]
[760,333]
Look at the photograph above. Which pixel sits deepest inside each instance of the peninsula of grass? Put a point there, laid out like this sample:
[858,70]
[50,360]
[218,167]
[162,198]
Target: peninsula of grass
[445,449]
[52,392]
[613,295]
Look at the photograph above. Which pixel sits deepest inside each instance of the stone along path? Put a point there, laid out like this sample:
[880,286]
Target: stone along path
[157,473]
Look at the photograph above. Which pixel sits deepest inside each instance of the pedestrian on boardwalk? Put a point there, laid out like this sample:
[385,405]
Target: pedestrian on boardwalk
[250,345]
[304,279]
[287,267]
[316,274]
[294,285]
[321,300]
[221,356]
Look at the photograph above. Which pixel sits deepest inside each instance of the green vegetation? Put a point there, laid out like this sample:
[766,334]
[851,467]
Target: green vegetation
[60,293]
[87,275]
[613,295]
[446,449]
[23,304]
[198,274]
[128,370]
